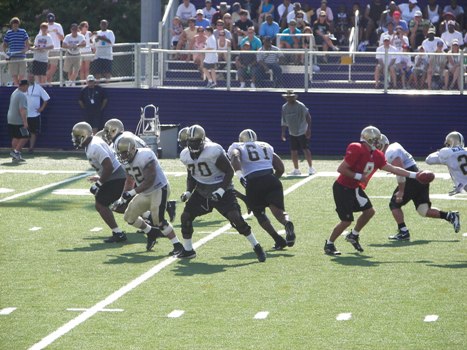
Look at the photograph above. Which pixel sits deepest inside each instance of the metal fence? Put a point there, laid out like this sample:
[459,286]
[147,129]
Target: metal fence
[145,65]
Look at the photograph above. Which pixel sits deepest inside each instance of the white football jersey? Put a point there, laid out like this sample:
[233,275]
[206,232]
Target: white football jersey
[395,150]
[97,151]
[456,160]
[204,169]
[255,156]
[135,169]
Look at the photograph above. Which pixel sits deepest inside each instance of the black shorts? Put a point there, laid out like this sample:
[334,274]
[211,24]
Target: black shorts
[15,133]
[110,191]
[198,205]
[414,191]
[34,125]
[39,68]
[349,201]
[209,65]
[263,191]
[101,66]
[298,142]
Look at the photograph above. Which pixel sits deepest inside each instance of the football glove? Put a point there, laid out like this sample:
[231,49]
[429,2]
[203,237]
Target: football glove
[242,179]
[217,194]
[96,186]
[119,206]
[185,196]
[128,195]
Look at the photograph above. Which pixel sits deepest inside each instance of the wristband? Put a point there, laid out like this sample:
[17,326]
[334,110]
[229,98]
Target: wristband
[358,176]
[412,175]
[220,190]
[132,192]
[98,183]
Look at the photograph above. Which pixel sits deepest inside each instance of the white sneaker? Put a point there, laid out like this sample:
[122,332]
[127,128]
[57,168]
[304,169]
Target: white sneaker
[311,171]
[295,172]
[253,85]
[242,85]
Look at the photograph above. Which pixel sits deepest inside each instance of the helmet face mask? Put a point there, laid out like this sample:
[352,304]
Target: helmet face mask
[80,133]
[195,141]
[247,135]
[372,136]
[126,149]
[112,128]
[454,139]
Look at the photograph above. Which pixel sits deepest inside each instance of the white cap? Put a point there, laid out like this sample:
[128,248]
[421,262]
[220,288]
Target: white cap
[91,78]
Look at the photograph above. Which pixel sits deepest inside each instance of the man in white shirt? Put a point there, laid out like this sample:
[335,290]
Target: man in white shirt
[210,59]
[381,56]
[185,11]
[408,10]
[451,34]
[55,31]
[72,43]
[104,41]
[430,44]
[35,94]
[42,44]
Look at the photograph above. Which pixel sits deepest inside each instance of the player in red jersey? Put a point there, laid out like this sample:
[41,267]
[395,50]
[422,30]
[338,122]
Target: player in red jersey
[361,161]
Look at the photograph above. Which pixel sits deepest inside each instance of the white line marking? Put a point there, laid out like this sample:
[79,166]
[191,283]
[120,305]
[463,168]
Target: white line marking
[464,234]
[176,314]
[49,339]
[35,228]
[7,310]
[38,189]
[47,172]
[345,316]
[96,229]
[261,315]
[6,190]
[103,310]
[72,192]
[431,318]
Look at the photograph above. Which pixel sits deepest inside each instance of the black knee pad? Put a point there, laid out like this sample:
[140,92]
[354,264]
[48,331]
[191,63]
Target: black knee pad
[242,227]
[187,225]
[260,216]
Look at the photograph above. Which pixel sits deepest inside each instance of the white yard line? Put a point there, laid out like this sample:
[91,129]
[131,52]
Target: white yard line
[49,339]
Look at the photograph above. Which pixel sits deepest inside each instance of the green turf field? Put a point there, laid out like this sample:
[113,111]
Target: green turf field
[69,290]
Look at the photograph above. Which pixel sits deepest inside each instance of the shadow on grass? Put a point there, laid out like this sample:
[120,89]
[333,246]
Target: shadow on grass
[136,258]
[101,245]
[410,243]
[355,259]
[460,265]
[188,267]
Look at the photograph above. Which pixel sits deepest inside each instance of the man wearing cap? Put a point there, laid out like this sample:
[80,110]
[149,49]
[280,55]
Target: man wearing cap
[185,11]
[418,28]
[381,60]
[208,10]
[457,12]
[223,8]
[42,45]
[93,99]
[431,42]
[16,44]
[397,21]
[408,10]
[454,67]
[451,34]
[17,120]
[72,43]
[200,20]
[55,31]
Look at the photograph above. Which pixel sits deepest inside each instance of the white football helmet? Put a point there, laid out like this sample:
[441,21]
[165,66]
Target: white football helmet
[112,128]
[196,136]
[382,142]
[80,133]
[247,135]
[454,139]
[126,148]
[183,136]
[371,135]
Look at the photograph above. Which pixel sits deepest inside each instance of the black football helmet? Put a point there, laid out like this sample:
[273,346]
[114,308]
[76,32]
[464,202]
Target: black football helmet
[195,142]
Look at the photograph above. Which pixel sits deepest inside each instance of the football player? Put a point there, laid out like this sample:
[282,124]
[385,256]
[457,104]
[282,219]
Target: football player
[209,186]
[183,137]
[362,159]
[454,156]
[259,169]
[151,192]
[110,179]
[410,190]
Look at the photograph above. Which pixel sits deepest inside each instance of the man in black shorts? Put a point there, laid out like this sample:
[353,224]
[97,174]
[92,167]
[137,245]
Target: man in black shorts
[93,99]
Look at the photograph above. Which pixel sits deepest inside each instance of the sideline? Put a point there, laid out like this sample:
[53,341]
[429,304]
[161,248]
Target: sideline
[49,339]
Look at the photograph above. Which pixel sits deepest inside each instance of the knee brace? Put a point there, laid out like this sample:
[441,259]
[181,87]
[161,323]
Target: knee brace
[422,209]
[260,216]
[242,227]
[165,227]
[187,225]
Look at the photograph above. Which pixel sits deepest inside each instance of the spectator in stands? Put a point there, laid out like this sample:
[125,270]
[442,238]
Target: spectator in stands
[208,10]
[443,26]
[432,12]
[297,9]
[390,31]
[372,16]
[185,11]
[269,28]
[210,59]
[381,59]
[308,41]
[223,44]
[403,67]
[342,25]
[408,10]
[451,34]
[255,42]
[454,67]
[418,77]
[266,7]
[199,43]
[329,15]
[309,11]
[16,44]
[242,25]
[186,38]
[55,30]
[246,66]
[72,44]
[457,11]
[42,45]
[291,41]
[283,11]
[200,20]
[221,27]
[301,20]
[268,60]
[223,9]
[35,94]
[93,100]
[104,41]
[86,51]
[235,11]
[176,29]
[230,27]
[399,39]
[321,32]
[396,19]
[436,67]
[386,16]
[431,42]
[252,7]
[418,27]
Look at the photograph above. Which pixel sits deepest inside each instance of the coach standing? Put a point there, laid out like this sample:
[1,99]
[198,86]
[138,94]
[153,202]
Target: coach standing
[17,120]
[93,100]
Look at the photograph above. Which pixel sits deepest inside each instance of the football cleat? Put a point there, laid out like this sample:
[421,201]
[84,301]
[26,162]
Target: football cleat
[353,239]
[330,249]
[116,238]
[178,248]
[280,244]
[260,254]
[401,236]
[454,219]
[187,254]
[152,235]
[289,234]
[171,209]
